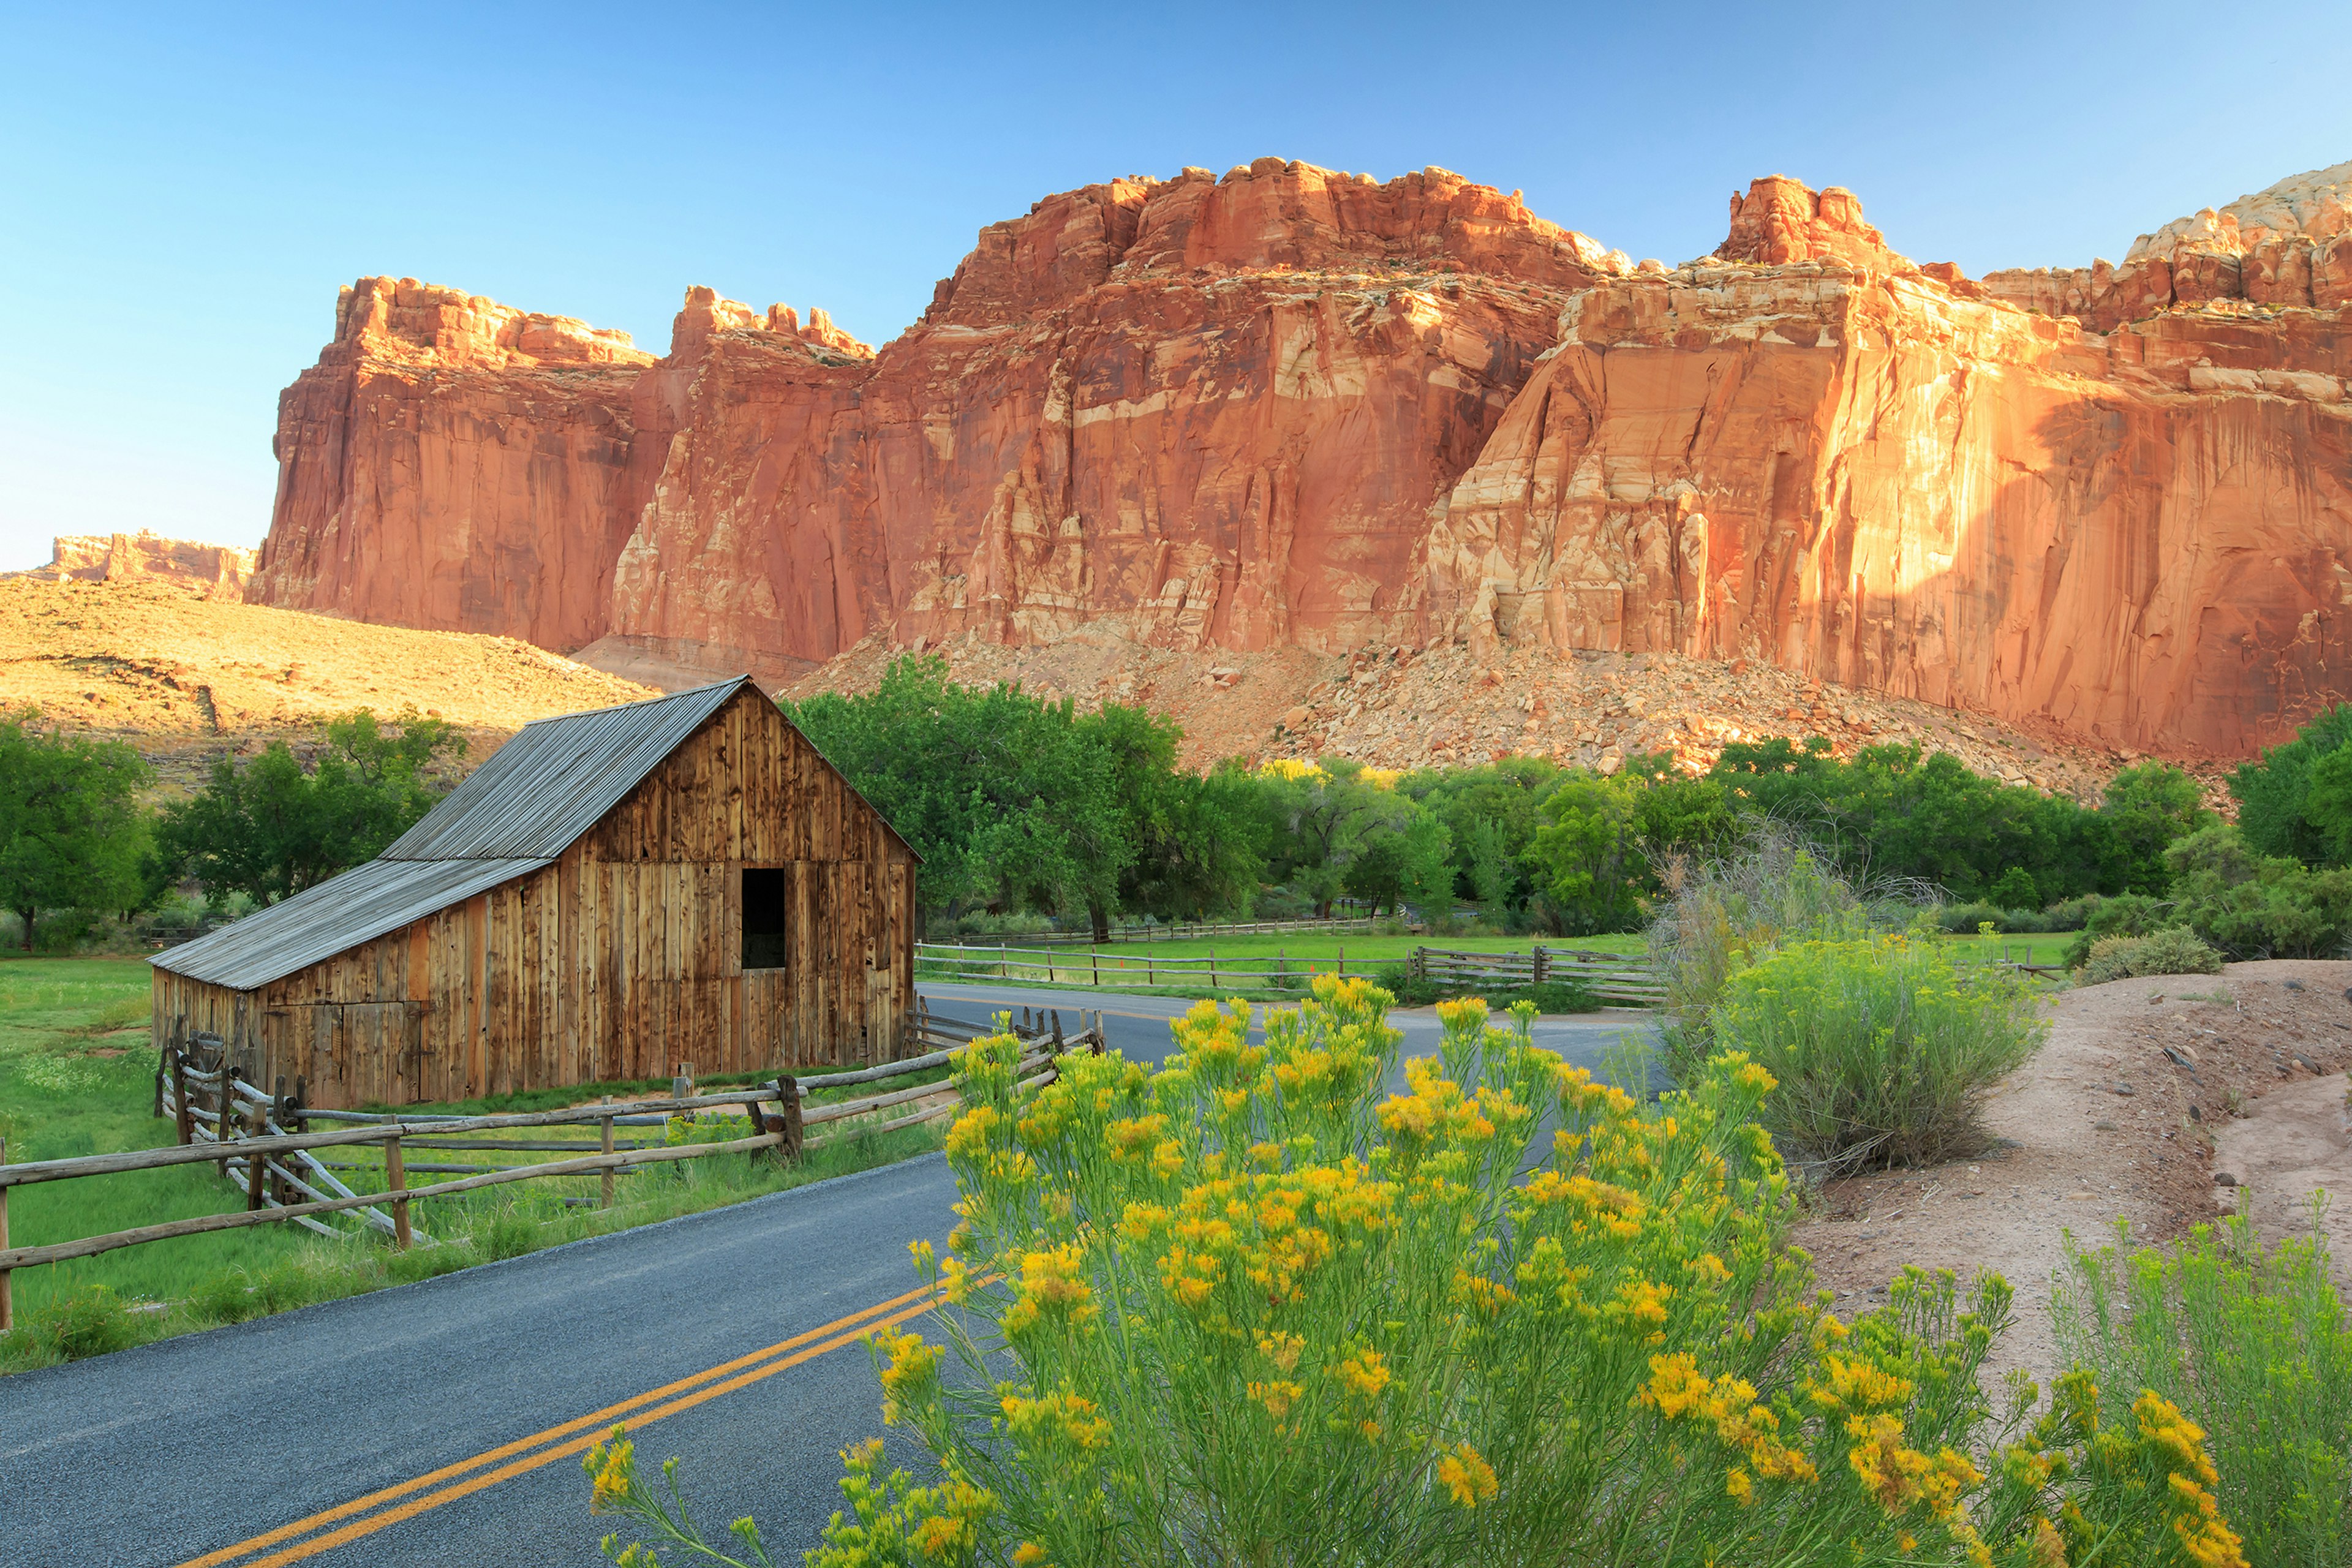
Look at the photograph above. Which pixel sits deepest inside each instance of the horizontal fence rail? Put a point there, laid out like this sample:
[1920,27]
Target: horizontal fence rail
[265,1145]
[1126,970]
[1626,979]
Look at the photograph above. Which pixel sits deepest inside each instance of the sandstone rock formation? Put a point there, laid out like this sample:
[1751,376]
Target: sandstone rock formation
[219,570]
[1291,407]
[2289,244]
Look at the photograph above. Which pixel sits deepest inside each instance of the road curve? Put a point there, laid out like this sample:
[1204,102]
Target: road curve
[441,1423]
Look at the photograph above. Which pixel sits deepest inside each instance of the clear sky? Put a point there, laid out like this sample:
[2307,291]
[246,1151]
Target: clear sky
[183,190]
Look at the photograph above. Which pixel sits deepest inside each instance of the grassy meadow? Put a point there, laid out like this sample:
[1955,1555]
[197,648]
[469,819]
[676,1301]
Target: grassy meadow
[76,1078]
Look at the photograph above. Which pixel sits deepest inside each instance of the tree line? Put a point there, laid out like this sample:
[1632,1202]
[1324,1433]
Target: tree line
[1025,808]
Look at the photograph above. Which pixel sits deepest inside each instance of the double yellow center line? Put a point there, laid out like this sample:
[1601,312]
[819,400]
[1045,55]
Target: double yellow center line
[348,1522]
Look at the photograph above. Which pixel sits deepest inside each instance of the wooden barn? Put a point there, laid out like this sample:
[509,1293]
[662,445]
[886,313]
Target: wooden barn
[611,894]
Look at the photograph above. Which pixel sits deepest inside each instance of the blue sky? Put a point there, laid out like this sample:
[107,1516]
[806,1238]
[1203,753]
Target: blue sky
[185,193]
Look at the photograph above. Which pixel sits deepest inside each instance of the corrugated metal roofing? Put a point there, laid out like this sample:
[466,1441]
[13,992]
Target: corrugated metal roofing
[557,778]
[516,813]
[340,913]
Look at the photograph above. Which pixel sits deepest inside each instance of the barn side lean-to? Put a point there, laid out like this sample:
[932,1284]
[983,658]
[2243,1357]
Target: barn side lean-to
[611,894]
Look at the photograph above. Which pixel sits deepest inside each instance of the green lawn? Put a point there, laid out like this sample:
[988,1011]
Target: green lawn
[76,1078]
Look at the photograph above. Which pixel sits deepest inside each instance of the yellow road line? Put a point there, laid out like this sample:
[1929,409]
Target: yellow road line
[833,1335]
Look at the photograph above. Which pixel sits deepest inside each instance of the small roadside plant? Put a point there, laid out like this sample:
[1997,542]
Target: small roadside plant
[1256,1308]
[2176,951]
[2252,1344]
[1883,1047]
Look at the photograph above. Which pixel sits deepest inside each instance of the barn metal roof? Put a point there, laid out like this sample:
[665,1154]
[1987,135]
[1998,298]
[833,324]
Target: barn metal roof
[516,813]
[317,924]
[557,778]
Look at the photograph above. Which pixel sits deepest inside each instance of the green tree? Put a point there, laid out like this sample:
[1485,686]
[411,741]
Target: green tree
[71,829]
[2253,905]
[1895,811]
[2146,806]
[1590,855]
[1491,813]
[270,826]
[1011,800]
[2274,792]
[1195,839]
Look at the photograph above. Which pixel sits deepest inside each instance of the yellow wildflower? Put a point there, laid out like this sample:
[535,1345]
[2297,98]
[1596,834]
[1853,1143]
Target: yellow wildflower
[1466,1475]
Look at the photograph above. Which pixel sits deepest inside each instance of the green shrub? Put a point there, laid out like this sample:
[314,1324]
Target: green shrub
[1883,1047]
[2129,914]
[87,1322]
[1254,1309]
[2175,951]
[1562,996]
[2253,906]
[1397,981]
[2255,1347]
[1722,915]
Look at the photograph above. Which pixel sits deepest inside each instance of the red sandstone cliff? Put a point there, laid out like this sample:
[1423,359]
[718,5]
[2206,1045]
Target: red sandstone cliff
[1298,407]
[220,571]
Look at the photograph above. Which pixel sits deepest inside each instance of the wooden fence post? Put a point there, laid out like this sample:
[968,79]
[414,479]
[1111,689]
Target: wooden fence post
[1542,972]
[396,1175]
[1094,956]
[8,1306]
[163,1056]
[1212,969]
[257,1169]
[788,1089]
[1343,963]
[607,1172]
[185,1113]
[227,1097]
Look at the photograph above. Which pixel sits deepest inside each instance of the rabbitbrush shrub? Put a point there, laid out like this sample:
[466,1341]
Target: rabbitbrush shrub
[1883,1047]
[2252,1344]
[1253,1309]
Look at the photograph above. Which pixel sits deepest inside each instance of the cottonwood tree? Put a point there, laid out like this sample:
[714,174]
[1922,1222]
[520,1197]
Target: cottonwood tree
[71,828]
[271,827]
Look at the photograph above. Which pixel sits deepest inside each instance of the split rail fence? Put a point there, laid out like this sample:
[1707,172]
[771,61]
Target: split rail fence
[266,1145]
[1626,980]
[1125,971]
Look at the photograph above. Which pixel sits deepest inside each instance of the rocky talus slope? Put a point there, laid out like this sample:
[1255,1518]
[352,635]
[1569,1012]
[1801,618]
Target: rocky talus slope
[1292,409]
[1396,708]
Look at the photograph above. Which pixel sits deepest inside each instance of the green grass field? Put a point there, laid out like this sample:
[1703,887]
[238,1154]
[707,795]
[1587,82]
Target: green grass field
[76,1078]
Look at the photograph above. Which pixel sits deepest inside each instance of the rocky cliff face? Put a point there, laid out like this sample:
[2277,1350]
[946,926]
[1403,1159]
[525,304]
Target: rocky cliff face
[2288,245]
[216,571]
[1291,407]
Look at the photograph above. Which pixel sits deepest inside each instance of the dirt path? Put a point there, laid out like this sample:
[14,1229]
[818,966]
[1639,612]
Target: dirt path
[2117,1118]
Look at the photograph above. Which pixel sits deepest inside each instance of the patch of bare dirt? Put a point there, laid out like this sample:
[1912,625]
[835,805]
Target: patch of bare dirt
[2296,1141]
[2116,1117]
[188,677]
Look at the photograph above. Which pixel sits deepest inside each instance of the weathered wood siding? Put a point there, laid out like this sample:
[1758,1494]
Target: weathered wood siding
[622,959]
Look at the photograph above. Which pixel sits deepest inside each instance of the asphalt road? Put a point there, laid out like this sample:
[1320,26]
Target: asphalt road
[442,1423]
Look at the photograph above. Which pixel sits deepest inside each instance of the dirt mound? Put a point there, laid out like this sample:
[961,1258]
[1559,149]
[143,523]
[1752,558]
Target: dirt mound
[2116,1118]
[1395,708]
[188,677]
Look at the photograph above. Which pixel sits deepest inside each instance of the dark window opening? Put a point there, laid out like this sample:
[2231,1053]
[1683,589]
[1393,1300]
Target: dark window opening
[766,893]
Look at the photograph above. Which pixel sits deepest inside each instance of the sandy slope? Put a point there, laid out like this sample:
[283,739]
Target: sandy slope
[188,677]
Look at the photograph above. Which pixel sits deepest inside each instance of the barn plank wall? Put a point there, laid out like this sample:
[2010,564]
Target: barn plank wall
[620,960]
